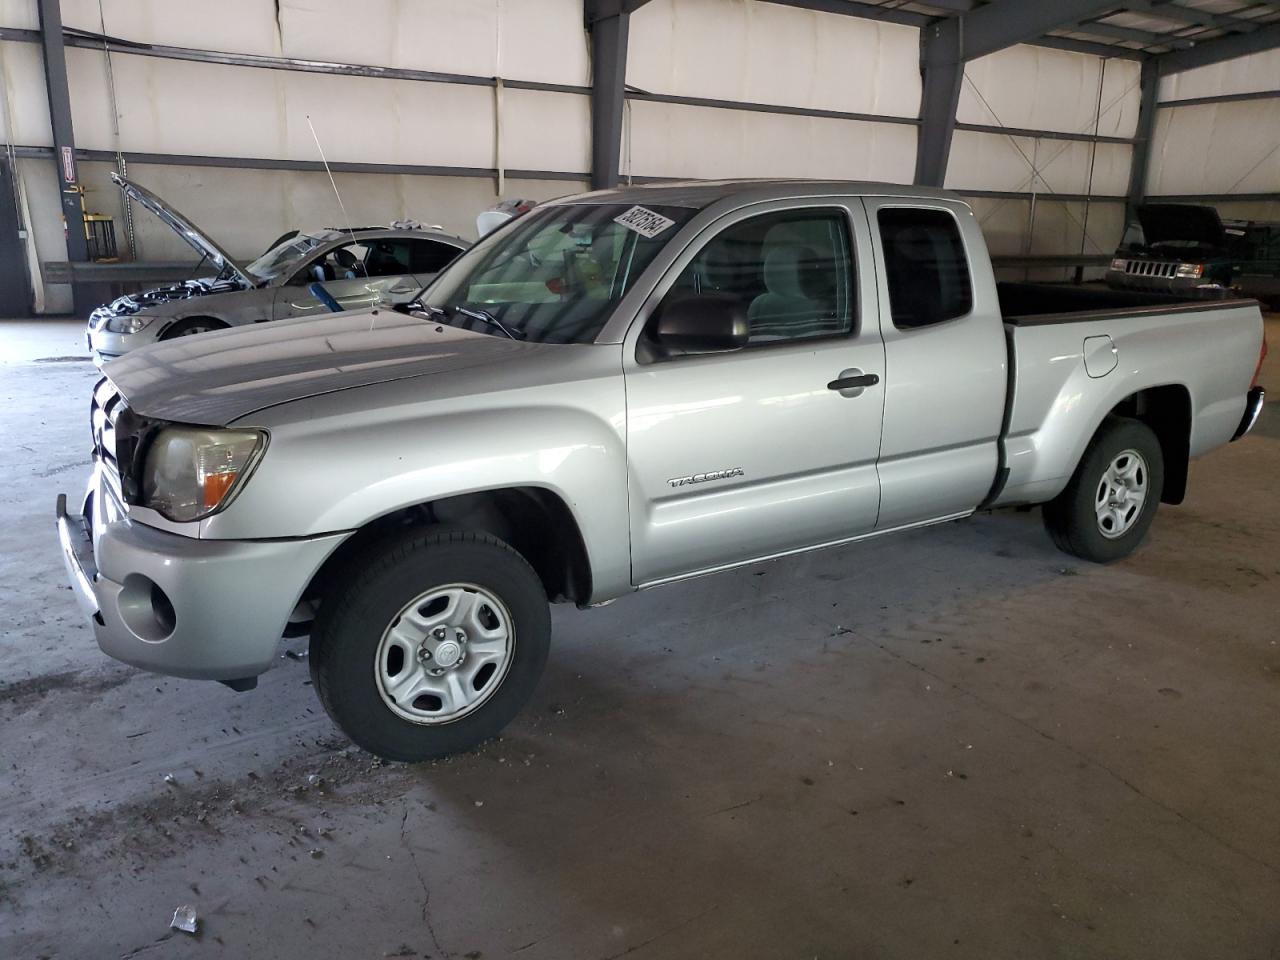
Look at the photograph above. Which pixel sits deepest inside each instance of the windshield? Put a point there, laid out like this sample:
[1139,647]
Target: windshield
[555,274]
[282,258]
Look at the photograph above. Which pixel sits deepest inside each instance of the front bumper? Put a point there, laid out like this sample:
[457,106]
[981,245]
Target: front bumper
[1252,409]
[204,609]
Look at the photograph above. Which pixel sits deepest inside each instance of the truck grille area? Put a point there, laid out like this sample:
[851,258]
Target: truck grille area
[104,414]
[1151,268]
[119,437]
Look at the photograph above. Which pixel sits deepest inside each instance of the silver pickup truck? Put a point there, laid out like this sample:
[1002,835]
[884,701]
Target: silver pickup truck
[613,392]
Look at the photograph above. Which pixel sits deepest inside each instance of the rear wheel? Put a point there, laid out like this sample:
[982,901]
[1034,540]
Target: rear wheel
[1111,500]
[192,326]
[435,643]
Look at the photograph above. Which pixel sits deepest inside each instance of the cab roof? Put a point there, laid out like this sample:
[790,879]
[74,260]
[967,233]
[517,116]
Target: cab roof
[697,194]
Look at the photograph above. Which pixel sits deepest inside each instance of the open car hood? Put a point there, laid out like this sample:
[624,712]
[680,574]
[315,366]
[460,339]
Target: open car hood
[1163,222]
[198,240]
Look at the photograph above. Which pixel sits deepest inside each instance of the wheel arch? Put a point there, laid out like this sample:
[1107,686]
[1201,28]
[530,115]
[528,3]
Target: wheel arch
[534,521]
[1166,410]
[164,331]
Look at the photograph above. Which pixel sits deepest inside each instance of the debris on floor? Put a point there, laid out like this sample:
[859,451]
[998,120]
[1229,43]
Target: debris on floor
[185,919]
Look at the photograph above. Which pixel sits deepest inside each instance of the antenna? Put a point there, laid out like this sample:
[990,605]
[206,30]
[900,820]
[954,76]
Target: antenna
[341,206]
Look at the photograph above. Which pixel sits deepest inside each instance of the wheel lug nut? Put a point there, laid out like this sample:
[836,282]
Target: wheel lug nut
[439,633]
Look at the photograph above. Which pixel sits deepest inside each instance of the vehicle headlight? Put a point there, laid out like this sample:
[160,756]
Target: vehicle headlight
[128,324]
[1190,271]
[1119,264]
[193,472]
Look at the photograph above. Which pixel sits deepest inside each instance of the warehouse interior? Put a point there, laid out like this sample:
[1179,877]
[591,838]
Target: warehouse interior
[956,741]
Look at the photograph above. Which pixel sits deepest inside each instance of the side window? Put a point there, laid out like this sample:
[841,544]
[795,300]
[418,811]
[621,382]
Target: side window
[387,258]
[925,266]
[341,263]
[792,270]
[430,256]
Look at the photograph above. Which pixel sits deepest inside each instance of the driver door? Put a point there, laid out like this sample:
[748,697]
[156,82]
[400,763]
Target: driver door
[758,452]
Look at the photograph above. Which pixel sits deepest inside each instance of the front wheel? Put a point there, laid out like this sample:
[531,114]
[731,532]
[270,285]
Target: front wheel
[433,645]
[1111,499]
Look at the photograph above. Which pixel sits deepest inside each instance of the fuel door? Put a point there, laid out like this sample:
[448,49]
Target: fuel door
[1100,356]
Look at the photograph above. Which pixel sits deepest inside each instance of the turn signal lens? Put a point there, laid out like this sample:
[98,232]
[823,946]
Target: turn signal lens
[216,486]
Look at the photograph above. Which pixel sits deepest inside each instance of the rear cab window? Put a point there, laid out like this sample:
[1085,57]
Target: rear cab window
[926,269]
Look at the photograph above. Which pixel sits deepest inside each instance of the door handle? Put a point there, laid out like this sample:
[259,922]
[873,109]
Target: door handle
[853,383]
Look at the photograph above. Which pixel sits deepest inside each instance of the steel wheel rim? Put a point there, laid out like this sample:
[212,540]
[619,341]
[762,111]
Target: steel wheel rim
[1121,494]
[444,654]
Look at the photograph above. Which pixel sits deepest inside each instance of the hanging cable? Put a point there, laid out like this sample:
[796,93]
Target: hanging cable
[1093,157]
[121,167]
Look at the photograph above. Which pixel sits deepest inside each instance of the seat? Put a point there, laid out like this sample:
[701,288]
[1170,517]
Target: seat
[787,299]
[347,263]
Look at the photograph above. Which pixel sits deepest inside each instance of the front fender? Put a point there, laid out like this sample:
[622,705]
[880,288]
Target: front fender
[331,469]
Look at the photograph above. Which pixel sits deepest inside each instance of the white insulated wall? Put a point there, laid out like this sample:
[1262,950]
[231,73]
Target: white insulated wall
[765,53]
[1220,148]
[727,50]
[1038,88]
[188,108]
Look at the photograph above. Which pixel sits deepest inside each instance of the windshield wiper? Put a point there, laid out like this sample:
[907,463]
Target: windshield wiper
[486,317]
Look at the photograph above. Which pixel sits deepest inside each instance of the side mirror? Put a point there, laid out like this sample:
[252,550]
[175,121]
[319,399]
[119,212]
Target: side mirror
[703,323]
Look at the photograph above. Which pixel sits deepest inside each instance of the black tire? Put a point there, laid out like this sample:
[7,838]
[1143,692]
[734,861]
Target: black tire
[1071,518]
[377,586]
[192,326]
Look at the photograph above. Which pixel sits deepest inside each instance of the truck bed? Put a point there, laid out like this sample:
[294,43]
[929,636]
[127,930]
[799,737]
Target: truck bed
[1030,304]
[1076,352]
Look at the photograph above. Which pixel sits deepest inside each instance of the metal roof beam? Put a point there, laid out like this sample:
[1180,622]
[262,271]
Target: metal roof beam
[1003,23]
[1220,49]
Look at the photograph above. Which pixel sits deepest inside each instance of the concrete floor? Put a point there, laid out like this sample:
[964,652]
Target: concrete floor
[956,743]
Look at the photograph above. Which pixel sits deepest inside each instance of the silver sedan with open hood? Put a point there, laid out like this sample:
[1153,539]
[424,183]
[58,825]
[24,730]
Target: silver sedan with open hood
[359,267]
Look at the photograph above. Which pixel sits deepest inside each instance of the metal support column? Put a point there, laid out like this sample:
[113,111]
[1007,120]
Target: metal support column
[608,87]
[64,143]
[1139,165]
[943,73]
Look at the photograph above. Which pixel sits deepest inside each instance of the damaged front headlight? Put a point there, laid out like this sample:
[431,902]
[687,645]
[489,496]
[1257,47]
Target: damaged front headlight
[129,324]
[193,472]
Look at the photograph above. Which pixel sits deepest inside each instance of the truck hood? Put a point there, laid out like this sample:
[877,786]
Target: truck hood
[196,238]
[1164,222]
[217,378]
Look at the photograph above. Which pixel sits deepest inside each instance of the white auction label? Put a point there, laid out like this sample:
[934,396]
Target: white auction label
[644,222]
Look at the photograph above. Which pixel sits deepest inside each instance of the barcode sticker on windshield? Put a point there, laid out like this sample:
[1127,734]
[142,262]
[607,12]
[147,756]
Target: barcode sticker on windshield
[644,222]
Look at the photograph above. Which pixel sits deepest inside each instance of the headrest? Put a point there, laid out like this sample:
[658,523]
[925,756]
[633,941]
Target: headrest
[785,270]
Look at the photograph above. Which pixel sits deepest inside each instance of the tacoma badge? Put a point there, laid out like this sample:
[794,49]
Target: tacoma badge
[704,477]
